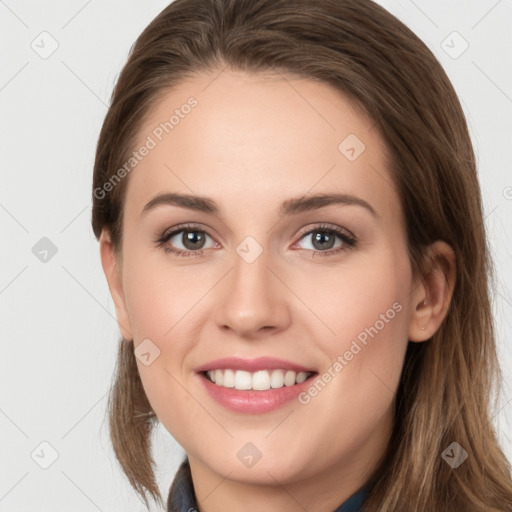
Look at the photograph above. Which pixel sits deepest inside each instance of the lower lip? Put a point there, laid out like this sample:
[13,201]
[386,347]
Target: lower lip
[254,402]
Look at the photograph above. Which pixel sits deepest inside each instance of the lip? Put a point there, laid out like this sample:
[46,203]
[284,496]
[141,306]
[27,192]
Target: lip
[252,365]
[251,401]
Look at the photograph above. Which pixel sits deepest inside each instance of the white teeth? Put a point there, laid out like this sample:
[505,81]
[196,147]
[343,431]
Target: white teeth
[277,379]
[261,380]
[242,380]
[289,378]
[228,379]
[301,377]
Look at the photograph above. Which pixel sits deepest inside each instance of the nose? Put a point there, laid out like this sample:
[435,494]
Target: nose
[252,300]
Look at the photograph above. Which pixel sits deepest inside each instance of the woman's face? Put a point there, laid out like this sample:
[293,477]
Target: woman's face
[266,275]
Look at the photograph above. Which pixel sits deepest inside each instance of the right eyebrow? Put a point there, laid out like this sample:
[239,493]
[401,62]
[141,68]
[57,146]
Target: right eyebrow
[202,204]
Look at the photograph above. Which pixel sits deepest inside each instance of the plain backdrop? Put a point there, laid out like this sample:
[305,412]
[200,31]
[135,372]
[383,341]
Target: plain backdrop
[58,330]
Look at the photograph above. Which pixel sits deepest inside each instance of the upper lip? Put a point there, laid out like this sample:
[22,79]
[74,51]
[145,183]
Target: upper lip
[252,365]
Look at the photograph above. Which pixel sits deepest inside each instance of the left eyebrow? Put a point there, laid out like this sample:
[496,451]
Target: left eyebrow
[304,204]
[291,206]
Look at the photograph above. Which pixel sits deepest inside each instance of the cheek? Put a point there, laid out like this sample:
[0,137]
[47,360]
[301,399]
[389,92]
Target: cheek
[165,307]
[365,309]
[159,296]
[365,298]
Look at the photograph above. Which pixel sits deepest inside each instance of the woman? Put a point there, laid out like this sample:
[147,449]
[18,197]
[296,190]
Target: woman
[291,227]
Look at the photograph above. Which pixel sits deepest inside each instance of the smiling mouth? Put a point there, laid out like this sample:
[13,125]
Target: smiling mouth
[261,380]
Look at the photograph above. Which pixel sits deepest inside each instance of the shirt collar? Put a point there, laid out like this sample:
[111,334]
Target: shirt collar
[182,498]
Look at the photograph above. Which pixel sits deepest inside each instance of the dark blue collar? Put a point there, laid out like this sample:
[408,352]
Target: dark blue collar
[182,499]
[354,503]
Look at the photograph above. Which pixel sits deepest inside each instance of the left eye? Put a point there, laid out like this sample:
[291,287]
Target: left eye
[324,240]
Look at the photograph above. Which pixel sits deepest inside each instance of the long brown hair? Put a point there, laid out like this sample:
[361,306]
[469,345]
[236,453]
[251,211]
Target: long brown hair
[446,386]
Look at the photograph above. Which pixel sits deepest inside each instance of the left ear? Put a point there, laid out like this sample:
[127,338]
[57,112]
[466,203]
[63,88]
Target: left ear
[432,296]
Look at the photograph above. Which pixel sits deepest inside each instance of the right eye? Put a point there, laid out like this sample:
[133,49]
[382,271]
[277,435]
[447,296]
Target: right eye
[190,237]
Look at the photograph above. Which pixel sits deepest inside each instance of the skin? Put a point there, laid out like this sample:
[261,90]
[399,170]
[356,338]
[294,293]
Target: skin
[252,142]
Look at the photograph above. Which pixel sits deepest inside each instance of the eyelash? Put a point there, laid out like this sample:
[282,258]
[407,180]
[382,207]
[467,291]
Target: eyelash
[349,241]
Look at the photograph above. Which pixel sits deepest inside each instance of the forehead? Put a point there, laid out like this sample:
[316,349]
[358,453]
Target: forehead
[240,136]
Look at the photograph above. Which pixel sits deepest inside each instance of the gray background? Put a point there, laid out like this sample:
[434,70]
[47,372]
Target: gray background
[59,335]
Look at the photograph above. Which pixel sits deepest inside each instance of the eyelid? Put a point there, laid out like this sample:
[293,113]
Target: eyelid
[304,231]
[349,239]
[171,232]
[186,226]
[321,226]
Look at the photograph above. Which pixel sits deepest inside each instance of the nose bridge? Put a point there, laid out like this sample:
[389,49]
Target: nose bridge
[252,298]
